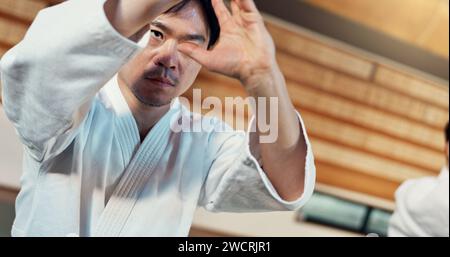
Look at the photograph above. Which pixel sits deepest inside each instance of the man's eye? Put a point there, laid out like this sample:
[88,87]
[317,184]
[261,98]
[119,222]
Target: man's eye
[156,34]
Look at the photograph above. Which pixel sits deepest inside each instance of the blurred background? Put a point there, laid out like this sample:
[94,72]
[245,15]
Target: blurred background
[370,78]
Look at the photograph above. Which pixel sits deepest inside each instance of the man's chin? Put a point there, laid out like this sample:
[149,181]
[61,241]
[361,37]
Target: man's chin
[154,101]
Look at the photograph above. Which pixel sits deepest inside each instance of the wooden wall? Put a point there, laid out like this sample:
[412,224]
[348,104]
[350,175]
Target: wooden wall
[373,124]
[423,23]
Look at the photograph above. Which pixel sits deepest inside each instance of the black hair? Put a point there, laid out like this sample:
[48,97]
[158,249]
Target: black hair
[211,18]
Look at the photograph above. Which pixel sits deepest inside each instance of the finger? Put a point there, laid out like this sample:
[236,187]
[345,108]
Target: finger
[222,12]
[197,53]
[247,5]
[235,9]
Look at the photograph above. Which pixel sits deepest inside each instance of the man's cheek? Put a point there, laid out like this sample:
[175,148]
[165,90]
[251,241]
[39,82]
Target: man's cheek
[192,70]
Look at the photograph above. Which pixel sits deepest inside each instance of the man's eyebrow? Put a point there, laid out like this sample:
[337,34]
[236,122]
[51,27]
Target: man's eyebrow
[189,37]
[161,26]
[194,37]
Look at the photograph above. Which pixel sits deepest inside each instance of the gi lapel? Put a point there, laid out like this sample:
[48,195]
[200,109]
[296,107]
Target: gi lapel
[137,173]
[125,125]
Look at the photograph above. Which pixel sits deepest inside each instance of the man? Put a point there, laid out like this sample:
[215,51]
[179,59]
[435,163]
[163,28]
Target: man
[101,158]
[423,205]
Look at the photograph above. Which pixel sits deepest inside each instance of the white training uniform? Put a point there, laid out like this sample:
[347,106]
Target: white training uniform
[422,208]
[85,170]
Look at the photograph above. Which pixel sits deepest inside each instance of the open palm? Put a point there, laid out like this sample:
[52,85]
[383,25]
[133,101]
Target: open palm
[245,46]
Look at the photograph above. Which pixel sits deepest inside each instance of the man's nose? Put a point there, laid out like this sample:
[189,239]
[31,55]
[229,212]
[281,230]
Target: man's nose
[167,56]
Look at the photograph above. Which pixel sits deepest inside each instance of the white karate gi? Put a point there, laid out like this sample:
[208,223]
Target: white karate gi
[85,171]
[422,208]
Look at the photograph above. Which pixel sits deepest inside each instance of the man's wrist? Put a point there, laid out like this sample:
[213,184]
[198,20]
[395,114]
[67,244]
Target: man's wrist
[263,80]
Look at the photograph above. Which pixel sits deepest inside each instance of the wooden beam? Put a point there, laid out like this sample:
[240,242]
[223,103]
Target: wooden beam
[369,164]
[361,115]
[345,134]
[307,48]
[355,181]
[414,87]
[352,136]
[307,98]
[11,32]
[363,92]
[21,10]
[302,47]
[380,156]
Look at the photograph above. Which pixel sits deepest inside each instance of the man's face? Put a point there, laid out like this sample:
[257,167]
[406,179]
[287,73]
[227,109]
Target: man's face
[160,72]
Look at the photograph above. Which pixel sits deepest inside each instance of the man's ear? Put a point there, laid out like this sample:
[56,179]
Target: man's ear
[139,36]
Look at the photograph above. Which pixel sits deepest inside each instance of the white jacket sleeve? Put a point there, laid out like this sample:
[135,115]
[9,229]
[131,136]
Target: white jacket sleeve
[237,183]
[52,76]
[422,208]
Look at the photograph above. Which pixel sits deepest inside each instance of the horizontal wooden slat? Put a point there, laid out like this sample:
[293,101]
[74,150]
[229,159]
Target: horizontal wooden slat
[363,92]
[300,46]
[376,170]
[367,138]
[2,51]
[22,9]
[355,181]
[373,165]
[375,143]
[343,133]
[11,32]
[312,99]
[361,115]
[415,87]
[356,197]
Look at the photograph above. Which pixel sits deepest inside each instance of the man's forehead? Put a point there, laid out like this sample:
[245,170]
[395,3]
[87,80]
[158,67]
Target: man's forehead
[191,15]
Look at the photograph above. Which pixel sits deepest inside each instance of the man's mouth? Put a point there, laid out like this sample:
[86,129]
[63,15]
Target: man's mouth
[161,82]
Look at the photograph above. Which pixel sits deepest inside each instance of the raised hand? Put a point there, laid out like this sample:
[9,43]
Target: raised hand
[245,47]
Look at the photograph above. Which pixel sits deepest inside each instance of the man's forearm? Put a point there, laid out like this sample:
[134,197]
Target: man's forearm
[283,160]
[129,16]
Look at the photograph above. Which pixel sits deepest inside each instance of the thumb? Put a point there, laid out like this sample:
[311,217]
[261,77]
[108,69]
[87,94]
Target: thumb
[197,53]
